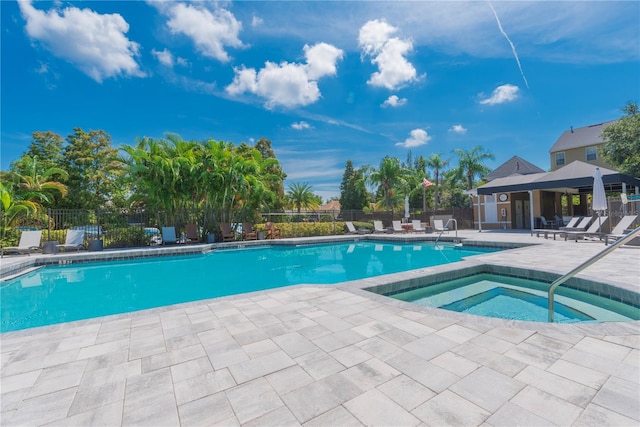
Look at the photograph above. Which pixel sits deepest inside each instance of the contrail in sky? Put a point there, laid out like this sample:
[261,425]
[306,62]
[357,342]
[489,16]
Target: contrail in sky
[513,47]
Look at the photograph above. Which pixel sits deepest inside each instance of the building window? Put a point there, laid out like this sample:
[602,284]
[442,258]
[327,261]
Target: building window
[592,154]
[560,159]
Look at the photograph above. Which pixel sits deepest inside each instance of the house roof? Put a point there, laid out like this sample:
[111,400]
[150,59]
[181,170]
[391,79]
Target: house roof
[514,166]
[580,137]
[576,176]
[333,205]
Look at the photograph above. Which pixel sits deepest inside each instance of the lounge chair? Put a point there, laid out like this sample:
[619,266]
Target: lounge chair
[572,223]
[192,233]
[581,226]
[397,227]
[248,233]
[228,235]
[73,240]
[350,227]
[593,230]
[169,235]
[618,231]
[378,227]
[439,226]
[417,226]
[29,240]
[272,231]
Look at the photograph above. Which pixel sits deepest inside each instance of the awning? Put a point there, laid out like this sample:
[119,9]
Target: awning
[576,176]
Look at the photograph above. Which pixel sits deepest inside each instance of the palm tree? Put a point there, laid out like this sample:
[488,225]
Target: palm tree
[389,176]
[436,163]
[39,186]
[301,196]
[471,163]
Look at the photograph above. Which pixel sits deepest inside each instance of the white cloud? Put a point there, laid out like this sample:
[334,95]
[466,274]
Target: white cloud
[502,94]
[388,53]
[417,137]
[458,129]
[288,84]
[95,43]
[321,60]
[167,59]
[256,21]
[300,125]
[394,101]
[211,31]
[164,57]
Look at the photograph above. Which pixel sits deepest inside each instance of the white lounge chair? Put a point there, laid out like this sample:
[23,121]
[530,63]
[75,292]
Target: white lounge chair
[581,226]
[378,227]
[350,227]
[417,226]
[572,223]
[397,227]
[73,240]
[618,231]
[439,226]
[593,230]
[169,235]
[29,240]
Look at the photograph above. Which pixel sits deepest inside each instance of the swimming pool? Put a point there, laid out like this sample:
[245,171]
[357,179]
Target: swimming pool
[65,293]
[514,298]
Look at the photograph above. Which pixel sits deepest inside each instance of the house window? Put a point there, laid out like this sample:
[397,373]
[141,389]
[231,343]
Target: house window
[560,159]
[592,154]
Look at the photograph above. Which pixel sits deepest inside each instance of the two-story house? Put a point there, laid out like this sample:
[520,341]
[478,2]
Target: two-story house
[581,144]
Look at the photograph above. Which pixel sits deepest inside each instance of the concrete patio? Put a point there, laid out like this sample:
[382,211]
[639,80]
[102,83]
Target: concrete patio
[334,355]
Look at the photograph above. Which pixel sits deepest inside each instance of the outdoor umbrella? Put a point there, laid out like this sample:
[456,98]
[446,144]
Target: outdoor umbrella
[599,201]
[406,206]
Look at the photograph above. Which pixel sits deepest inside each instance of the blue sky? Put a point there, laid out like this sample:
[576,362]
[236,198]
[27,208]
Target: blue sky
[324,81]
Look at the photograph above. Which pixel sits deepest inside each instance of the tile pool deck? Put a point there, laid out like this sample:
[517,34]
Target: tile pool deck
[333,355]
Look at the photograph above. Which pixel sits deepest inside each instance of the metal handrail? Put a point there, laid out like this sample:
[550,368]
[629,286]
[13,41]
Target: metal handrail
[584,265]
[445,229]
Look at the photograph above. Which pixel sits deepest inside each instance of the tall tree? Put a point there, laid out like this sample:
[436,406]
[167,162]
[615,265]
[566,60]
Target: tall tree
[274,171]
[47,147]
[353,193]
[301,196]
[622,149]
[389,176]
[471,163]
[437,163]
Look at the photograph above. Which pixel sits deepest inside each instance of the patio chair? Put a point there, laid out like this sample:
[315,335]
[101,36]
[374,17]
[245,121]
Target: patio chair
[580,226]
[272,231]
[593,230]
[350,227]
[29,240]
[572,223]
[618,231]
[547,224]
[397,227]
[73,240]
[417,226]
[439,226]
[192,233]
[378,227]
[248,233]
[169,235]
[228,235]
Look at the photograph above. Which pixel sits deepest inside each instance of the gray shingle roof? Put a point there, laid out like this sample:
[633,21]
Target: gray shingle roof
[514,166]
[580,137]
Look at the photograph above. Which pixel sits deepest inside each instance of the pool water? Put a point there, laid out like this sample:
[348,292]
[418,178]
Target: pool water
[65,293]
[513,298]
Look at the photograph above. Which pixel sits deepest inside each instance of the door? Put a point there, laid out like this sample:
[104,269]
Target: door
[527,215]
[519,217]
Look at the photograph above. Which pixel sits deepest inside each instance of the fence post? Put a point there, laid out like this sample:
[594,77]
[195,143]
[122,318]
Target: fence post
[48,224]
